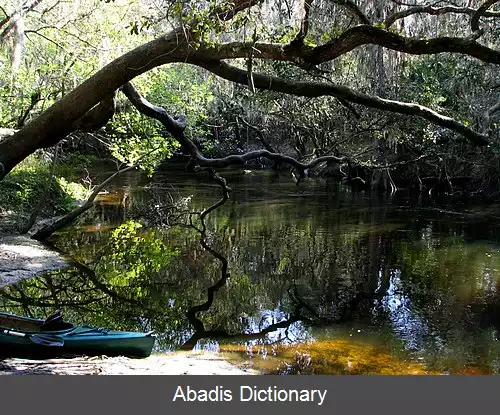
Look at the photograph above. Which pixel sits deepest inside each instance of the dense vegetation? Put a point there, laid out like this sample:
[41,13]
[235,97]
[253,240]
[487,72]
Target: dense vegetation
[387,53]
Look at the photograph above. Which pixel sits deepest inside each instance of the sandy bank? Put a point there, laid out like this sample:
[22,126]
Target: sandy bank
[177,363]
[22,257]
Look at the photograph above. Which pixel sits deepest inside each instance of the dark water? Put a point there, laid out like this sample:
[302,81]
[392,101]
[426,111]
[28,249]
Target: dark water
[350,282]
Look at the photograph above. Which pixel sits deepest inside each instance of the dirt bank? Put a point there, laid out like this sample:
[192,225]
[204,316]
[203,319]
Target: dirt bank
[177,363]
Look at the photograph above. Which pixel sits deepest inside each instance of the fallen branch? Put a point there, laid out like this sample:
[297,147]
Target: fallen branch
[60,223]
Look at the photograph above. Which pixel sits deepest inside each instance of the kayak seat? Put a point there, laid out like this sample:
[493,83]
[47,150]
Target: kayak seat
[55,322]
[56,326]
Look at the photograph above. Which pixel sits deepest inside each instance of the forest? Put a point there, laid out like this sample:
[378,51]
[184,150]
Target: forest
[260,177]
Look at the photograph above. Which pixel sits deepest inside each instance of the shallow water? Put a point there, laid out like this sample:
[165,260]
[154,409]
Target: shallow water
[368,283]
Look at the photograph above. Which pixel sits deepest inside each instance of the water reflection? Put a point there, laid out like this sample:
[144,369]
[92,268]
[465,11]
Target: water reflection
[320,272]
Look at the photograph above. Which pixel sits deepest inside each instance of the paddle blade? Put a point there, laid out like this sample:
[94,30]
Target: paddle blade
[51,341]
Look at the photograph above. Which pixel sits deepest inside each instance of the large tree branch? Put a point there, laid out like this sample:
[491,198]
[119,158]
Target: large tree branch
[362,35]
[317,89]
[174,125]
[349,40]
[435,11]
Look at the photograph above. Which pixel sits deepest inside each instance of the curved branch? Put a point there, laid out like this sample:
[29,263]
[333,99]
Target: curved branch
[317,89]
[55,123]
[435,11]
[349,40]
[174,125]
[158,113]
[362,35]
[474,21]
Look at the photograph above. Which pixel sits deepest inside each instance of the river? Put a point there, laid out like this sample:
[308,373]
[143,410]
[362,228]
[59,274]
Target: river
[354,282]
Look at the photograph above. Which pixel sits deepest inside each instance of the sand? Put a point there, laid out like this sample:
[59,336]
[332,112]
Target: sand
[176,363]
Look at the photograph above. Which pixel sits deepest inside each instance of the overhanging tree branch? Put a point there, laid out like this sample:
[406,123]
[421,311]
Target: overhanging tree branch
[349,40]
[56,122]
[317,89]
[363,35]
[143,106]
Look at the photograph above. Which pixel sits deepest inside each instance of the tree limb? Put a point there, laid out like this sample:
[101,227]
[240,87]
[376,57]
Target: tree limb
[474,21]
[435,11]
[174,125]
[317,89]
[362,35]
[55,123]
[143,106]
[349,40]
[48,230]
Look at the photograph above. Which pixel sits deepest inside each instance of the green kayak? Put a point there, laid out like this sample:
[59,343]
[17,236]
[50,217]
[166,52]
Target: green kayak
[23,336]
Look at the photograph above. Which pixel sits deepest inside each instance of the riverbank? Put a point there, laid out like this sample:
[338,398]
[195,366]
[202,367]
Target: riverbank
[176,363]
[22,258]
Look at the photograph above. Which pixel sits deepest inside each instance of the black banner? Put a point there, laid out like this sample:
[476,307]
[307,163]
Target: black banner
[134,395]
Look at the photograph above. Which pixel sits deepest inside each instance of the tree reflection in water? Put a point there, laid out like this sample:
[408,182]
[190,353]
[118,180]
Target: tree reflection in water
[258,274]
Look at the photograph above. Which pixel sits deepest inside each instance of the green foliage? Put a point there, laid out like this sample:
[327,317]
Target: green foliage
[136,139]
[21,190]
[179,90]
[64,46]
[71,192]
[133,255]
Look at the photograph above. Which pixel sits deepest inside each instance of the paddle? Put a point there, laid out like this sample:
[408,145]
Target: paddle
[42,339]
